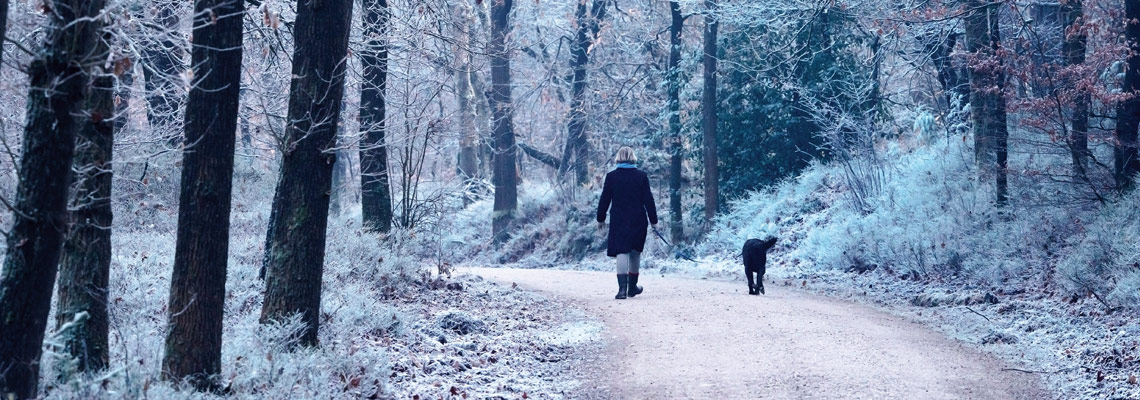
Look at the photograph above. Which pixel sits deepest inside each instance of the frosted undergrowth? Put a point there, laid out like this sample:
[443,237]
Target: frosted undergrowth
[379,334]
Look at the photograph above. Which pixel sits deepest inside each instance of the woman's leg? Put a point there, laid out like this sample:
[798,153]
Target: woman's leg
[634,261]
[623,264]
[634,268]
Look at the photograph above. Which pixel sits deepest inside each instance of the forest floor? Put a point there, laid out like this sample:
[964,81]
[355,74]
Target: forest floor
[693,338]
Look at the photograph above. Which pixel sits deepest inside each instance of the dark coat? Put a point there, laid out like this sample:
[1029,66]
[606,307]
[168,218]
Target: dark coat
[627,197]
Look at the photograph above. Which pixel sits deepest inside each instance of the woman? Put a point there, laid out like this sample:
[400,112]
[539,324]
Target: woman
[627,197]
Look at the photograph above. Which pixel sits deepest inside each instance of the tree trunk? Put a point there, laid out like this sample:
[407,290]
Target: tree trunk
[1075,44]
[3,25]
[295,254]
[376,195]
[577,152]
[339,182]
[505,174]
[58,90]
[676,225]
[198,283]
[465,96]
[709,115]
[81,312]
[987,93]
[163,69]
[1128,111]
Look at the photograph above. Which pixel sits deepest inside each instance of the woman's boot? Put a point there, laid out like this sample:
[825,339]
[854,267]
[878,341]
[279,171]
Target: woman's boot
[623,283]
[633,289]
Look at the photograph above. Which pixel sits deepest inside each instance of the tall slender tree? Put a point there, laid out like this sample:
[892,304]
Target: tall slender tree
[198,283]
[59,80]
[163,66]
[81,311]
[987,92]
[709,114]
[676,156]
[577,152]
[3,26]
[505,175]
[1074,48]
[376,194]
[1128,111]
[466,101]
[295,254]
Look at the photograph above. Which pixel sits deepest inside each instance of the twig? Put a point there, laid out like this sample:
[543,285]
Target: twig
[979,314]
[1037,372]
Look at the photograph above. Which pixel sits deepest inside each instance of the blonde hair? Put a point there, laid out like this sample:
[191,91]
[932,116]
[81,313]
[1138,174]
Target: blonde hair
[626,155]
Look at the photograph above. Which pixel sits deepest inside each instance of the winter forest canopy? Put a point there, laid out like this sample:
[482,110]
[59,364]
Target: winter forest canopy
[177,175]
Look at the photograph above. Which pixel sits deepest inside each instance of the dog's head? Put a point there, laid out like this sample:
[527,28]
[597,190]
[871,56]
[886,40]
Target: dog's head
[769,243]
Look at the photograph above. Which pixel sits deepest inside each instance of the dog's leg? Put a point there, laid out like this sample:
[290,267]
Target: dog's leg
[751,283]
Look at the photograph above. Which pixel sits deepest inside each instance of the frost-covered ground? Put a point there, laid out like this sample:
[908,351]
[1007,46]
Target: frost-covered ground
[392,326]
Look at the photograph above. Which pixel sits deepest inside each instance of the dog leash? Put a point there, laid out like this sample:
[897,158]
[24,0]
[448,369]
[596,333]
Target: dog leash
[676,253]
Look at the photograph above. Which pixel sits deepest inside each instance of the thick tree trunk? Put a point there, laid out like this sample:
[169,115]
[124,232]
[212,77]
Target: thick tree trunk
[987,93]
[81,312]
[577,152]
[295,255]
[676,225]
[58,90]
[1128,111]
[376,194]
[709,115]
[163,68]
[1075,45]
[505,174]
[198,283]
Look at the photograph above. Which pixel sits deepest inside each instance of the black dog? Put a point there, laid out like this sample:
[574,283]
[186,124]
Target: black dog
[755,257]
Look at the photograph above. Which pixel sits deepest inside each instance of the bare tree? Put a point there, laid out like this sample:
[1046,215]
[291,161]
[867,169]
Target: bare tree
[59,81]
[81,311]
[376,195]
[198,283]
[987,92]
[709,114]
[1074,48]
[577,152]
[676,158]
[295,253]
[163,67]
[505,174]
[466,101]
[1128,111]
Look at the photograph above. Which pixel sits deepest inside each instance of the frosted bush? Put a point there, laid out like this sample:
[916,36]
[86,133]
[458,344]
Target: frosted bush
[1105,261]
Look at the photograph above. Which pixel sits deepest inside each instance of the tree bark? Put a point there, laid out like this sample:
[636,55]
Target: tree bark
[577,152]
[81,312]
[296,243]
[505,174]
[1128,111]
[163,69]
[987,93]
[1074,47]
[59,81]
[676,225]
[465,96]
[376,195]
[198,283]
[3,26]
[709,115]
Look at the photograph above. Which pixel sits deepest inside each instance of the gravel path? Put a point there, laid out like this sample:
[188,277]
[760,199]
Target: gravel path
[686,338]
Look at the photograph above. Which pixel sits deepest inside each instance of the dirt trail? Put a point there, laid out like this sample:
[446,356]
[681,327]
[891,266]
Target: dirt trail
[702,339]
